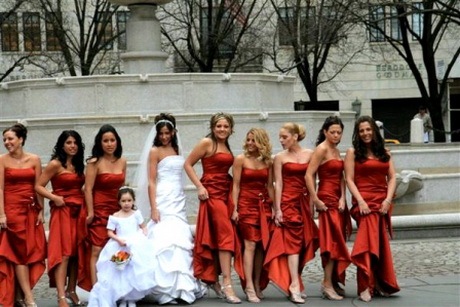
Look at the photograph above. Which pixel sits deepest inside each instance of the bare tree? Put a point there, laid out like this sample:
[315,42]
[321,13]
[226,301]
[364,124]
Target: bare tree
[317,34]
[210,35]
[83,29]
[435,22]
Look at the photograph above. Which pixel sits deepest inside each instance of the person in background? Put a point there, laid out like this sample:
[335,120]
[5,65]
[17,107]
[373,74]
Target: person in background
[427,124]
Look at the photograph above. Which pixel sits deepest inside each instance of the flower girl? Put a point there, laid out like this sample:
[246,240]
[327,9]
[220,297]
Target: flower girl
[125,267]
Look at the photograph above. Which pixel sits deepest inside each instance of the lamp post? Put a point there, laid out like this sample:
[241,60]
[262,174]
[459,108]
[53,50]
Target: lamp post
[356,107]
[143,37]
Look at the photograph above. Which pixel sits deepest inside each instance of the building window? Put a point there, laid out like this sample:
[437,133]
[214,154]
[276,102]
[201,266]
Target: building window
[395,26]
[225,38]
[417,19]
[297,24]
[122,18]
[32,33]
[105,28]
[9,28]
[52,41]
[377,24]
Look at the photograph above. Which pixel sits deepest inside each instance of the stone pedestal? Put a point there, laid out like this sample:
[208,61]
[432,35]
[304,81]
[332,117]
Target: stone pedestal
[143,36]
[416,130]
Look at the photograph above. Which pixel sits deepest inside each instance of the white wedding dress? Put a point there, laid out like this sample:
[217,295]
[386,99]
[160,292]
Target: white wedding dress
[135,280]
[172,238]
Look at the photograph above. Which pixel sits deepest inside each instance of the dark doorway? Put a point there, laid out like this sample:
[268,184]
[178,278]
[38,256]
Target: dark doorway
[455,117]
[396,114]
[326,105]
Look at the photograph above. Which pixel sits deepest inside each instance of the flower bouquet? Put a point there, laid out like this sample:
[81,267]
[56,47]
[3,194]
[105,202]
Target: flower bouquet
[121,259]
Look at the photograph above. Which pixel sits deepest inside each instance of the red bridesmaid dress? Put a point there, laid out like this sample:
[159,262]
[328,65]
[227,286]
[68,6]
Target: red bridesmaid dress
[214,228]
[254,211]
[298,233]
[23,242]
[67,231]
[105,203]
[371,251]
[333,225]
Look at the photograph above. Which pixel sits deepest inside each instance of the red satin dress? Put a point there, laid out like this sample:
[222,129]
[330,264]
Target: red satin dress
[67,231]
[333,225]
[371,251]
[105,203]
[23,242]
[214,229]
[298,233]
[254,211]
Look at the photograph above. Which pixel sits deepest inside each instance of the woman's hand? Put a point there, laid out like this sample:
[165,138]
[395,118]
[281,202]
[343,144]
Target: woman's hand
[278,217]
[59,201]
[40,218]
[89,218]
[2,221]
[342,205]
[235,216]
[385,207]
[155,215]
[202,193]
[363,208]
[319,205]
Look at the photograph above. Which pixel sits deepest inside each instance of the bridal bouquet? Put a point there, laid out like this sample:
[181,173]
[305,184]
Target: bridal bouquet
[121,259]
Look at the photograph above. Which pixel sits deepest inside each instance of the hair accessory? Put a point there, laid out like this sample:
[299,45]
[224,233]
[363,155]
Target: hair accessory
[165,121]
[125,187]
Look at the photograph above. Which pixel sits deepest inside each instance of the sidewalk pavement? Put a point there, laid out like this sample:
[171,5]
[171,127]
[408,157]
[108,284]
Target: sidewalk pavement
[428,272]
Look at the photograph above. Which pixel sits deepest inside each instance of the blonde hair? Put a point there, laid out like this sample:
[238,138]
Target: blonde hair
[263,145]
[212,124]
[294,128]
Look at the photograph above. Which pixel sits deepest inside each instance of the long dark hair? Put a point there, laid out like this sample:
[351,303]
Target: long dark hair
[377,145]
[212,124]
[331,120]
[60,155]
[97,150]
[20,130]
[168,121]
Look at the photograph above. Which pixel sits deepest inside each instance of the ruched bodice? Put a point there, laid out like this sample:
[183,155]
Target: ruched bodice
[330,176]
[106,188]
[293,180]
[215,177]
[371,180]
[69,186]
[19,186]
[170,170]
[218,163]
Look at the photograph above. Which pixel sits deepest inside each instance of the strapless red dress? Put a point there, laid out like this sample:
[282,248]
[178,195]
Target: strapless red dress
[23,242]
[298,233]
[333,225]
[371,250]
[214,229]
[105,203]
[67,231]
[254,211]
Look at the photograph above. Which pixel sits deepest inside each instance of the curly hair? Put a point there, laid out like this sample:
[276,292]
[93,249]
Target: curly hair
[168,121]
[212,124]
[377,145]
[97,150]
[263,144]
[60,155]
[294,128]
[331,120]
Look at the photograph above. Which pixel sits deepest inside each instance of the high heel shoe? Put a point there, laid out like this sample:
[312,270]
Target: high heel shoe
[330,294]
[62,301]
[73,298]
[230,298]
[365,296]
[215,287]
[339,290]
[296,297]
[379,292]
[19,303]
[251,296]
[31,304]
[260,294]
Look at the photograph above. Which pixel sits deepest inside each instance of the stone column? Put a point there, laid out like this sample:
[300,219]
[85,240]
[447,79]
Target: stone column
[143,37]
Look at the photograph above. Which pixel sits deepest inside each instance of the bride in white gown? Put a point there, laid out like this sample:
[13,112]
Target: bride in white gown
[159,181]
